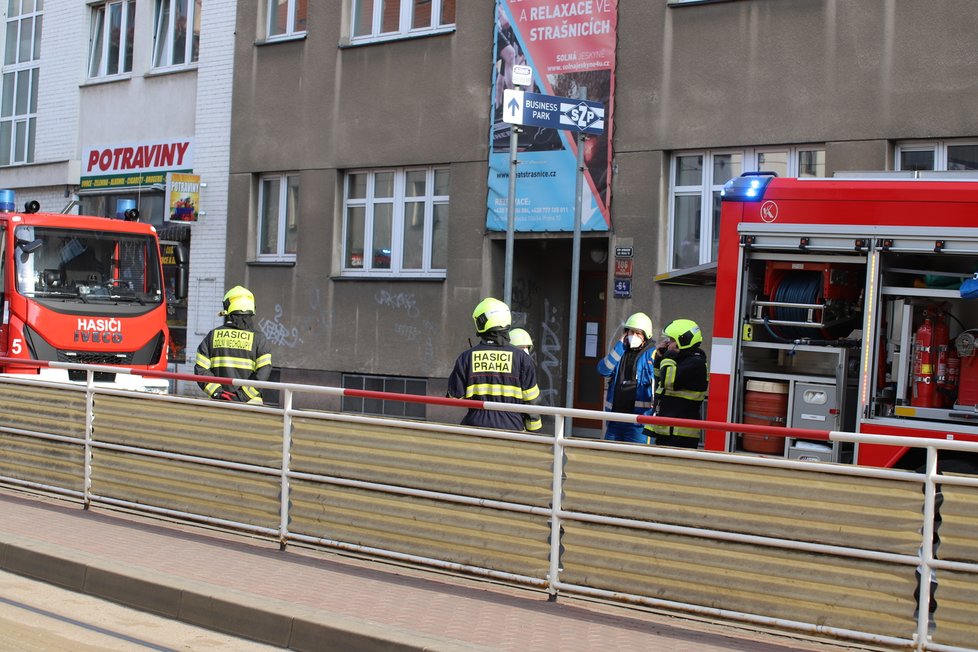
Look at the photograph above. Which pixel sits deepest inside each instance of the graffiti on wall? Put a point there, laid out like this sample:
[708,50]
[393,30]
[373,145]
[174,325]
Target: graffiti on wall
[423,334]
[398,301]
[278,333]
[550,352]
[420,332]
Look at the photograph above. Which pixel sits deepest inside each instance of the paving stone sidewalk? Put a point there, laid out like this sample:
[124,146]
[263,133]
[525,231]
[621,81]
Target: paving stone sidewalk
[315,600]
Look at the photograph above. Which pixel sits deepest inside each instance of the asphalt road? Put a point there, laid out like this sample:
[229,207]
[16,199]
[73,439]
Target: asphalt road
[35,616]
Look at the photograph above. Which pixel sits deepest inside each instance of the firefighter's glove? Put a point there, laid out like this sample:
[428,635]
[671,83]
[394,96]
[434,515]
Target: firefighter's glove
[224,395]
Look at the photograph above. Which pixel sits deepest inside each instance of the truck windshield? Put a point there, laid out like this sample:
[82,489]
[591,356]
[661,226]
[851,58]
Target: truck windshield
[87,266]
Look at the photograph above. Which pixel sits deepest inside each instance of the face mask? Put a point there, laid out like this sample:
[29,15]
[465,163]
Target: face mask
[635,341]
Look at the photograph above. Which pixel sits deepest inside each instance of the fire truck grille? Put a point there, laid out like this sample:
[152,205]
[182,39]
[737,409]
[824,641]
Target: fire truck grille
[94,357]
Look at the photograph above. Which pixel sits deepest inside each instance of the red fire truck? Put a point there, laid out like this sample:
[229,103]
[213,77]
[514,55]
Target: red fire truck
[81,289]
[839,306]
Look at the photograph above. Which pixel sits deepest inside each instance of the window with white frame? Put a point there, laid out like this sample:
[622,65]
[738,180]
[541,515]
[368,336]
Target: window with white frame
[18,93]
[395,222]
[286,18]
[278,215]
[110,41]
[176,32]
[938,155]
[382,20]
[695,182]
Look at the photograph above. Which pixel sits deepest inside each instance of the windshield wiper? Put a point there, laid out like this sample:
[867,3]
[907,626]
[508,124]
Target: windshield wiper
[55,294]
[127,298]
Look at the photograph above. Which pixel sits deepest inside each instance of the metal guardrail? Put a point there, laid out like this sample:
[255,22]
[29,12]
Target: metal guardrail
[833,550]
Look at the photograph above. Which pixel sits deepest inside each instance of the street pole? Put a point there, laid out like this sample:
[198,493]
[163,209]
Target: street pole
[575,271]
[511,217]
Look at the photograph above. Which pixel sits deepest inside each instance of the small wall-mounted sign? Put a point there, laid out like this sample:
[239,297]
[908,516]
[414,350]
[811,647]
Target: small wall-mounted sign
[623,288]
[623,267]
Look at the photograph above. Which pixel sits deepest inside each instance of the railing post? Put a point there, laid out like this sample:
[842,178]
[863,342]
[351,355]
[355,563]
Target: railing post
[283,525]
[558,487]
[89,420]
[925,569]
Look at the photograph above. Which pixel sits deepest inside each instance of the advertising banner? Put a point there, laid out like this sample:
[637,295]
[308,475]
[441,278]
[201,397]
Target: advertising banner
[182,197]
[131,165]
[569,45]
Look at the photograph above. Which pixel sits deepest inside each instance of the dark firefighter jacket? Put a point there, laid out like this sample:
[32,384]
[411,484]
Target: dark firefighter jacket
[680,389]
[232,351]
[496,372]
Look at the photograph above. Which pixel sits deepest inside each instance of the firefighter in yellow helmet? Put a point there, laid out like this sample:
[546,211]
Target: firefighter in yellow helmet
[234,350]
[495,370]
[521,339]
[681,377]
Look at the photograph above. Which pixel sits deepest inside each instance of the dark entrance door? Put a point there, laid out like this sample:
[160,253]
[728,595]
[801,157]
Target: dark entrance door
[591,336]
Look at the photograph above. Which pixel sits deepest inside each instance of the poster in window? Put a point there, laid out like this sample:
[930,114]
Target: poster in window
[182,197]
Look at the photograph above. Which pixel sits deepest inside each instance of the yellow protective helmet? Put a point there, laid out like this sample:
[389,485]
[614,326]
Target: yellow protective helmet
[239,299]
[685,332]
[491,313]
[640,322]
[519,337]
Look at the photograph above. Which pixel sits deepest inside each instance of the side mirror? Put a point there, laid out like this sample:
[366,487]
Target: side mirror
[30,246]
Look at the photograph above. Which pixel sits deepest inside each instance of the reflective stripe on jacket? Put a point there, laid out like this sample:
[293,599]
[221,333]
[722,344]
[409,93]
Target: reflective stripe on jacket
[680,391]
[231,352]
[499,373]
[644,379]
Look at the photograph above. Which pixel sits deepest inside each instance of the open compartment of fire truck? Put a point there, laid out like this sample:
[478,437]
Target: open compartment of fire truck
[800,330]
[838,307]
[826,316]
[926,339]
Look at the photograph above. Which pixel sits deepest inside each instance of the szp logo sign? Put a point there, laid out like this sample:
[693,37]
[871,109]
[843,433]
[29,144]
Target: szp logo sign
[769,211]
[582,116]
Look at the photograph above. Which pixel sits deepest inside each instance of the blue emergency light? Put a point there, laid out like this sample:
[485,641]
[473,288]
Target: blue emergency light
[747,187]
[125,209]
[7,203]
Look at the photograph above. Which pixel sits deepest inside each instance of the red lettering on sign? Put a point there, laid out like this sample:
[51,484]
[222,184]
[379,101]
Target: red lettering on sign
[623,267]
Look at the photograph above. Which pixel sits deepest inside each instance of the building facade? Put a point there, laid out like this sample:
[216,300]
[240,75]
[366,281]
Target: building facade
[343,116]
[345,150]
[103,103]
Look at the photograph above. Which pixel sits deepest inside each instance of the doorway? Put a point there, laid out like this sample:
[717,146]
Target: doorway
[541,305]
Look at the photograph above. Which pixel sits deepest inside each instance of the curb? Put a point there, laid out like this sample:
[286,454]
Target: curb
[209,606]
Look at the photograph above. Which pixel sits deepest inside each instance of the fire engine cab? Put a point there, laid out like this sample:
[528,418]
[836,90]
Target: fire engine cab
[81,289]
[841,304]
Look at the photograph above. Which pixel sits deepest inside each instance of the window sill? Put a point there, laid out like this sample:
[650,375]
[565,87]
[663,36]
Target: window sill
[373,276]
[288,38]
[387,38]
[683,3]
[279,262]
[98,81]
[705,274]
[171,70]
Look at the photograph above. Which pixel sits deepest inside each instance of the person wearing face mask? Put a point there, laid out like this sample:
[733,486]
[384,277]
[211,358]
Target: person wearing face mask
[681,377]
[630,366]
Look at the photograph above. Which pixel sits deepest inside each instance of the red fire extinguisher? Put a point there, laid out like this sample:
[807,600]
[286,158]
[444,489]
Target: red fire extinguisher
[942,345]
[953,377]
[922,373]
